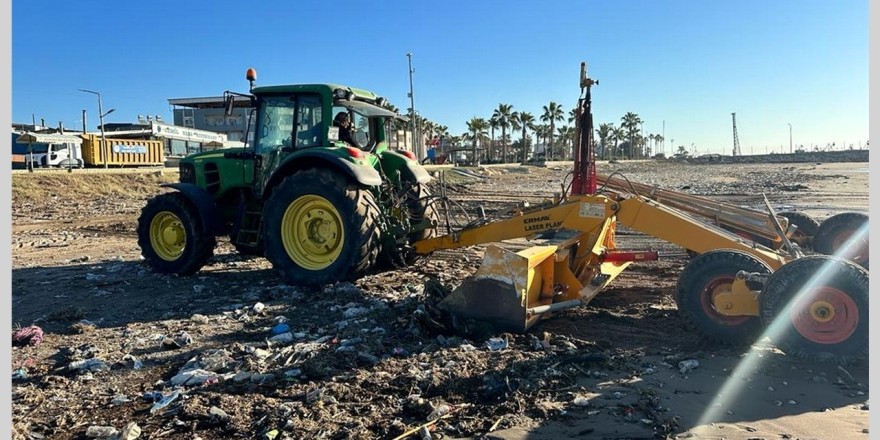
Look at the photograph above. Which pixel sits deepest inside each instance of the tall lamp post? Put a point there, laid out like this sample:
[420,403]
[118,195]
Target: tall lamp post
[790,150]
[412,106]
[101,115]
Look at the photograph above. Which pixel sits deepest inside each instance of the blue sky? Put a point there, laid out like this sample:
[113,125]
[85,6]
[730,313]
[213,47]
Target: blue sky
[690,63]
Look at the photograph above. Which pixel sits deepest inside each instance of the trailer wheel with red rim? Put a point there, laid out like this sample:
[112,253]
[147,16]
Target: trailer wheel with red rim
[816,308]
[844,235]
[706,276]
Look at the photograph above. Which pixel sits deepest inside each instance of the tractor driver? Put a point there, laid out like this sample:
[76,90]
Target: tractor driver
[343,121]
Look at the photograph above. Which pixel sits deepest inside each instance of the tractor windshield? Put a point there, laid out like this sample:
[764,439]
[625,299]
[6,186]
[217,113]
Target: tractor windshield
[276,123]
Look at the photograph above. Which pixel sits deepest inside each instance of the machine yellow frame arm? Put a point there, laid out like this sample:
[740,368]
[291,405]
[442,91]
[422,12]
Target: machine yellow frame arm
[587,215]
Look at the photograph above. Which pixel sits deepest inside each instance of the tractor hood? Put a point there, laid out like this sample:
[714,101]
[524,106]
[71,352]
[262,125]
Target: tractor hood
[214,154]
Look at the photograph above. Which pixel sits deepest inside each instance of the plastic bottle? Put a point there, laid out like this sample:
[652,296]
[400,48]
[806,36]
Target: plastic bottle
[438,412]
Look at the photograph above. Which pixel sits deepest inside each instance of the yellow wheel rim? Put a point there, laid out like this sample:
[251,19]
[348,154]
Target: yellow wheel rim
[167,235]
[312,232]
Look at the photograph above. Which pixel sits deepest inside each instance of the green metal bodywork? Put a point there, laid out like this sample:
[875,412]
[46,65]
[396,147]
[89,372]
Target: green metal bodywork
[236,177]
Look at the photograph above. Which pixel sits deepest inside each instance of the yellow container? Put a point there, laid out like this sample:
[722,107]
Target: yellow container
[122,152]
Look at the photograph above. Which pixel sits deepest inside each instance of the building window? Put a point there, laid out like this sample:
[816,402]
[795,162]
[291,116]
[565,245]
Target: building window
[188,122]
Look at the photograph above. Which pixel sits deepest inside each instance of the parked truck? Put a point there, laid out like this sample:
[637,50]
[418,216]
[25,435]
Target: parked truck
[119,152]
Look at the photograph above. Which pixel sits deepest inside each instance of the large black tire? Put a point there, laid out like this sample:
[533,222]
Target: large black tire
[356,217]
[707,275]
[816,308]
[806,228]
[172,237]
[836,230]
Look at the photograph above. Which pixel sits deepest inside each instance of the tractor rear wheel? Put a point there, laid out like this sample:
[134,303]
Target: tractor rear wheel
[844,235]
[816,308]
[172,237]
[806,228]
[319,228]
[706,276]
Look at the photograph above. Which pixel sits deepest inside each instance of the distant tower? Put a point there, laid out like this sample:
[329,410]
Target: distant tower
[736,151]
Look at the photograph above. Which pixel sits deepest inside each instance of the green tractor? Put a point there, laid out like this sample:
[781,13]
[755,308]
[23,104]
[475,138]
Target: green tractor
[320,209]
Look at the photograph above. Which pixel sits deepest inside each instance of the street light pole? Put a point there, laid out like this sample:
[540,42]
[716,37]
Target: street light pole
[412,106]
[790,150]
[101,115]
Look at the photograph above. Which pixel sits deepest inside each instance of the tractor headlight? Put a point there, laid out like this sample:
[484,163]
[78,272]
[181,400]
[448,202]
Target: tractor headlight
[340,94]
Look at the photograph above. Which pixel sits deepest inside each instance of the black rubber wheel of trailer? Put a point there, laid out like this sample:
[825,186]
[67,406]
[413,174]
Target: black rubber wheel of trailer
[704,277]
[172,237]
[816,308]
[320,228]
[844,235]
[806,228]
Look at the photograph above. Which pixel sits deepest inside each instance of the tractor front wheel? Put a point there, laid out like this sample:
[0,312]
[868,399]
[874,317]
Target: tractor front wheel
[816,308]
[172,237]
[319,229]
[844,235]
[706,276]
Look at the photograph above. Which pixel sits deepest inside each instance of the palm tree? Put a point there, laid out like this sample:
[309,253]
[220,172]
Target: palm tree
[572,115]
[493,124]
[617,134]
[630,123]
[658,138]
[502,116]
[566,134]
[523,121]
[604,133]
[552,113]
[477,131]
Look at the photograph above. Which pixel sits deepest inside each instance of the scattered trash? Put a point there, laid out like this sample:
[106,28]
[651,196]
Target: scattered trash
[581,401]
[152,396]
[193,377]
[440,411]
[182,340]
[280,328]
[131,431]
[399,351]
[270,435]
[31,335]
[218,413]
[496,344]
[96,431]
[119,400]
[166,400]
[199,319]
[258,308]
[93,364]
[688,365]
[132,362]
[283,338]
[19,374]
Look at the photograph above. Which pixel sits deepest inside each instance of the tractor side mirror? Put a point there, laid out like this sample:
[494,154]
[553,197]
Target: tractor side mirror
[229,104]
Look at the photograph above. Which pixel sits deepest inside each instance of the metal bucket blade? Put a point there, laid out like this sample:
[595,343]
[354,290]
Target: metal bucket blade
[489,300]
[501,291]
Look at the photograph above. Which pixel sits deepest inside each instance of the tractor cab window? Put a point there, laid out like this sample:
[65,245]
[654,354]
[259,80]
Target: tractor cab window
[362,135]
[276,123]
[309,131]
